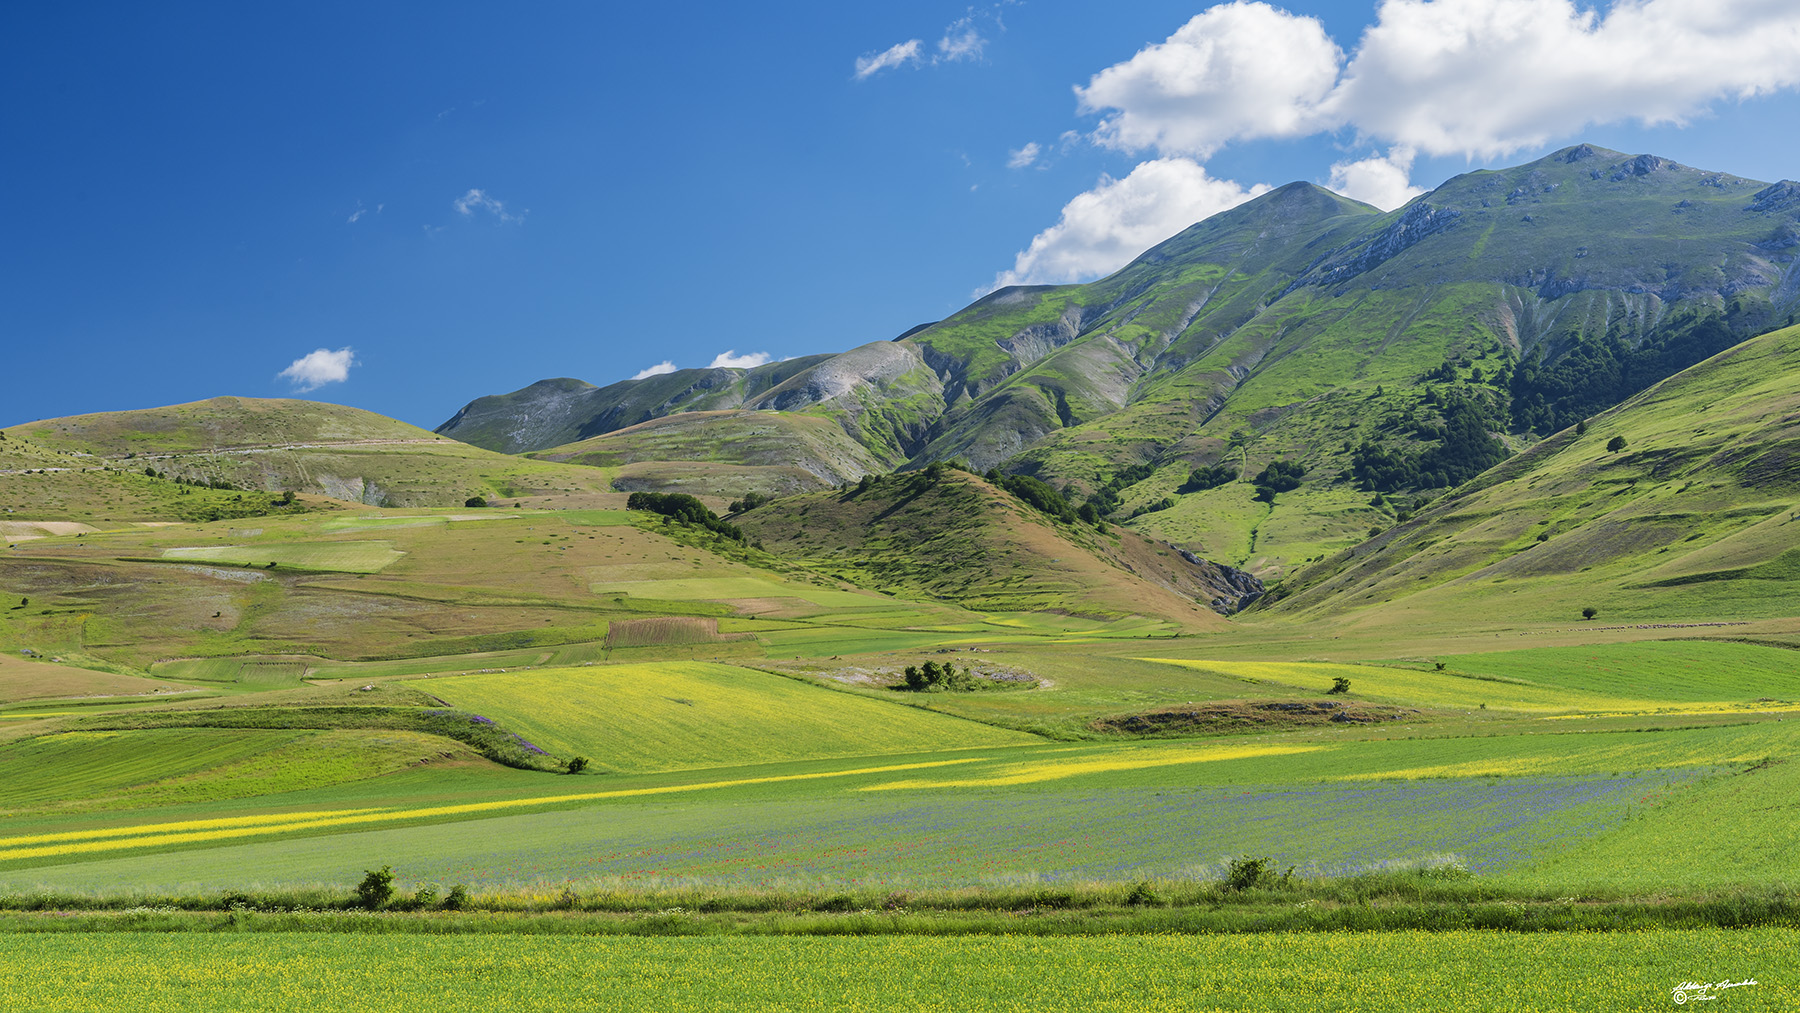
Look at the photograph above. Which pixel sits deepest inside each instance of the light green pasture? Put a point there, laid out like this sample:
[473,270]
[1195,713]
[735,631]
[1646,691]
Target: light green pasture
[339,557]
[673,715]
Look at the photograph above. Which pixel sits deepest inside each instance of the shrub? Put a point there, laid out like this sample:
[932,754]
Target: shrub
[426,896]
[377,887]
[577,764]
[475,501]
[1339,684]
[1142,895]
[457,898]
[1615,444]
[935,678]
[1246,873]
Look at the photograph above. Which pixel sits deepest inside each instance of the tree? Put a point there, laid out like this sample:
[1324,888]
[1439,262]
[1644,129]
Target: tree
[1615,444]
[577,764]
[376,888]
[475,501]
[1589,612]
[935,678]
[1339,685]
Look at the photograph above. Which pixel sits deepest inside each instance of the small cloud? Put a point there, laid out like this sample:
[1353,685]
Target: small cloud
[318,368]
[478,200]
[1024,156]
[1382,181]
[729,359]
[961,41]
[1066,141]
[897,55]
[659,369]
[354,215]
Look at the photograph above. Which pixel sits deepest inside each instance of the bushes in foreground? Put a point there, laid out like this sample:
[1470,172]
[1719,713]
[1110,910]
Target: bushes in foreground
[1438,899]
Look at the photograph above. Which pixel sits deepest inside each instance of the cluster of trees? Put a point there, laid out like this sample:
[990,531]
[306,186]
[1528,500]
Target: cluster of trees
[1209,476]
[751,501]
[1106,499]
[1041,496]
[1599,372]
[1460,449]
[198,483]
[1279,476]
[681,507]
[935,678]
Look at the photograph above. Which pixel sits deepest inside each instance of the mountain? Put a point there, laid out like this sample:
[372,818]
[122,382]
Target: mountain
[1393,353]
[150,464]
[1680,505]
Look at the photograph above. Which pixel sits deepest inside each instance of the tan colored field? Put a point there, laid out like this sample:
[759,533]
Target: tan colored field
[22,679]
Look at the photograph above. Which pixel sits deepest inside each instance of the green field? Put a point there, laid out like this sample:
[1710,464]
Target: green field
[1677,671]
[215,731]
[1450,971]
[96,772]
[736,587]
[667,716]
[339,557]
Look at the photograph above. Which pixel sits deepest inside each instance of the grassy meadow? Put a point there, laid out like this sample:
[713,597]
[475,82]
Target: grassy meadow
[222,726]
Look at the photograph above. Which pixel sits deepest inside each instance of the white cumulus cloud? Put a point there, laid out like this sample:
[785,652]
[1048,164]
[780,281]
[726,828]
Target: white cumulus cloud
[897,55]
[317,368]
[1238,70]
[1480,78]
[1490,77]
[1383,180]
[478,200]
[729,359]
[1103,229]
[659,369]
[1023,157]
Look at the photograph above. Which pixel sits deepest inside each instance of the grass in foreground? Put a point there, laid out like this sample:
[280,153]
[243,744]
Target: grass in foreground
[1452,971]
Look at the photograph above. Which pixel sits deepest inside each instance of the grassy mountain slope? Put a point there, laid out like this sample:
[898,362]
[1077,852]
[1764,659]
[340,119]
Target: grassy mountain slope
[1696,517]
[815,446]
[258,445]
[1301,327]
[961,539]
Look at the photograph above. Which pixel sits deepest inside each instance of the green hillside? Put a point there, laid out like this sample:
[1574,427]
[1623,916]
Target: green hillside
[1391,356]
[1682,504]
[202,460]
[794,453]
[950,535]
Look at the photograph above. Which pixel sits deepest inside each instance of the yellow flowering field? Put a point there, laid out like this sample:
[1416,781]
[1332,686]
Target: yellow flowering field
[1449,972]
[1420,689]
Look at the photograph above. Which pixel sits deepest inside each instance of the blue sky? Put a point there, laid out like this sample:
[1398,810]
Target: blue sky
[469,198]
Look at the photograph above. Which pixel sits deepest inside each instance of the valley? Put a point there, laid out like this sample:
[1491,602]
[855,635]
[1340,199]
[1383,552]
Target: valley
[1301,587]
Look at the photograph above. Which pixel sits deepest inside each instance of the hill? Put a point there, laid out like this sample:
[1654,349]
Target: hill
[953,536]
[1396,353]
[151,464]
[768,452]
[1680,505]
